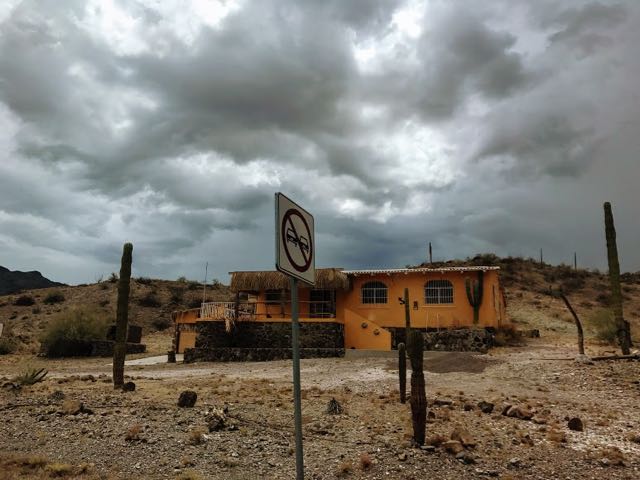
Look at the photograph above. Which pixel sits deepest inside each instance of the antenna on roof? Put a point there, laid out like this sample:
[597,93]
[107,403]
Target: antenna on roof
[204,286]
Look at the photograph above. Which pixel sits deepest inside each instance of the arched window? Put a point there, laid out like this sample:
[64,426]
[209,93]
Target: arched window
[374,292]
[438,292]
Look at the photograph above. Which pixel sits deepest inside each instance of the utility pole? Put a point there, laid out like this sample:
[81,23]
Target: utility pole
[430,254]
[204,285]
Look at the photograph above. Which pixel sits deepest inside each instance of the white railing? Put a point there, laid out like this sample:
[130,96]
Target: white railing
[219,310]
[227,311]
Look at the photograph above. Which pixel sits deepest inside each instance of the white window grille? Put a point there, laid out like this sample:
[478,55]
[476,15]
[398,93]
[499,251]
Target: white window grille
[438,292]
[374,292]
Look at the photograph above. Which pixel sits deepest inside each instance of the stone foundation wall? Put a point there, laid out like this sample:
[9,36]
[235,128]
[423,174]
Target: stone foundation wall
[264,341]
[464,340]
[231,354]
[459,340]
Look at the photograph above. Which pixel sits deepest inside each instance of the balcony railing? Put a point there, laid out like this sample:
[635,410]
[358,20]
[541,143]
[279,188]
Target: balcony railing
[247,310]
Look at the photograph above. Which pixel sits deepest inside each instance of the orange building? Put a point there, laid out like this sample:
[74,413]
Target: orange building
[365,304]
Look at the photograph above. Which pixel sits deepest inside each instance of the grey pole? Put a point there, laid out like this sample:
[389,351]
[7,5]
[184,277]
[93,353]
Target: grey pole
[297,402]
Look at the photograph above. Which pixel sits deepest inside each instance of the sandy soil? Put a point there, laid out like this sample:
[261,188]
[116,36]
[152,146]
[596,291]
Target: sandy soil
[372,439]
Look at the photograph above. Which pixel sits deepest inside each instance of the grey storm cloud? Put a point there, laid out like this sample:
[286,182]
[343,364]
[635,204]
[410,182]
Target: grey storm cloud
[476,126]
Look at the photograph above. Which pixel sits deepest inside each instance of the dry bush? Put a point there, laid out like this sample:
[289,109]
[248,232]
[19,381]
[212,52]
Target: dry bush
[196,436]
[507,335]
[601,322]
[133,433]
[344,469]
[59,469]
[7,346]
[149,300]
[69,333]
[365,462]
[24,301]
[53,298]
[189,475]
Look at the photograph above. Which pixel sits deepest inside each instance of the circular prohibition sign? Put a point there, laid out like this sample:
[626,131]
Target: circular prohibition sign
[301,242]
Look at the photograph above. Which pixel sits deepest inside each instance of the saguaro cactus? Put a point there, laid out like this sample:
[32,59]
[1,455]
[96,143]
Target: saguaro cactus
[402,371]
[622,326]
[418,402]
[475,289]
[122,316]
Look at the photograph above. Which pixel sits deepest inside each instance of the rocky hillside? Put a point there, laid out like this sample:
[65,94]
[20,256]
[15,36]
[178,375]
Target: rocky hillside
[12,282]
[529,288]
[26,315]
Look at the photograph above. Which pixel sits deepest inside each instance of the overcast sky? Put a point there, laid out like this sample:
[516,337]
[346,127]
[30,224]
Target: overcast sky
[496,126]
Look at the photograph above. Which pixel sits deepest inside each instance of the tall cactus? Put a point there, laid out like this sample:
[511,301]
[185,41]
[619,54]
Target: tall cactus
[122,316]
[475,289]
[622,326]
[418,401]
[402,371]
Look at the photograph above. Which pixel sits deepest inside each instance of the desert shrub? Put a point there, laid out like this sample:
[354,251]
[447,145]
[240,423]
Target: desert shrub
[177,294]
[216,284]
[194,286]
[602,324]
[182,279]
[113,278]
[144,281]
[149,300]
[54,297]
[507,335]
[69,333]
[36,310]
[31,376]
[603,299]
[24,301]
[7,346]
[161,323]
[570,284]
[195,303]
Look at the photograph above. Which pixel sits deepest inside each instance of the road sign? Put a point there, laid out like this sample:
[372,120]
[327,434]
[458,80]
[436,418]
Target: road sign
[295,243]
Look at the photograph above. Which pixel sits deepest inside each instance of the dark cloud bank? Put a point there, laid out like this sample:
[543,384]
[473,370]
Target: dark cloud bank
[479,126]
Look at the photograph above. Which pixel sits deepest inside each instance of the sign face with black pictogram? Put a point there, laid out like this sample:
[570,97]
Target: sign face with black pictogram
[295,243]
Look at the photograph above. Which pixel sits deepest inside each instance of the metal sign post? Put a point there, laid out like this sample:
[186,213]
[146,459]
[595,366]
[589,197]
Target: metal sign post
[295,257]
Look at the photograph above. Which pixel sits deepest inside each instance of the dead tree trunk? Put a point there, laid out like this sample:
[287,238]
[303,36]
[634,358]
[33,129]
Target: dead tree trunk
[622,326]
[578,324]
[418,391]
[122,316]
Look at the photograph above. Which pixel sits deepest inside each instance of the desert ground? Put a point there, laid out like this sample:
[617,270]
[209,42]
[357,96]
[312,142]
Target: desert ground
[144,434]
[526,410]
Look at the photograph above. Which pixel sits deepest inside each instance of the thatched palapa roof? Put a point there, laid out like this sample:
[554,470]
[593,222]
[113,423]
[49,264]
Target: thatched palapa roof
[332,278]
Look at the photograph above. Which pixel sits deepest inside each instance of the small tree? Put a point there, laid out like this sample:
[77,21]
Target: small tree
[122,316]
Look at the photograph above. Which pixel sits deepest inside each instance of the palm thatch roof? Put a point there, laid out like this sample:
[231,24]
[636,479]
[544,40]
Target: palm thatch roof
[332,278]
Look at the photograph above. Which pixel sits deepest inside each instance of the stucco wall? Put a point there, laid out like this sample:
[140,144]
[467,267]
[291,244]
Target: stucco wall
[457,314]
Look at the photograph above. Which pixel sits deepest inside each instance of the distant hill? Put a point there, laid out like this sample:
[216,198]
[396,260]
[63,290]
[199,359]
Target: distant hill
[12,282]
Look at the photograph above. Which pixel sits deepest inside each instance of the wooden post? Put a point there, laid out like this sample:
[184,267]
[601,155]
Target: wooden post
[282,303]
[578,324]
[541,258]
[236,309]
[575,261]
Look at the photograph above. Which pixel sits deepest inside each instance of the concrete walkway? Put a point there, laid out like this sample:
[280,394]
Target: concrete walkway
[153,360]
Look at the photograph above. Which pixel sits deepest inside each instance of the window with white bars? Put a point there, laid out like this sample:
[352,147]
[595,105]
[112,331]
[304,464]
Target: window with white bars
[374,292]
[438,292]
